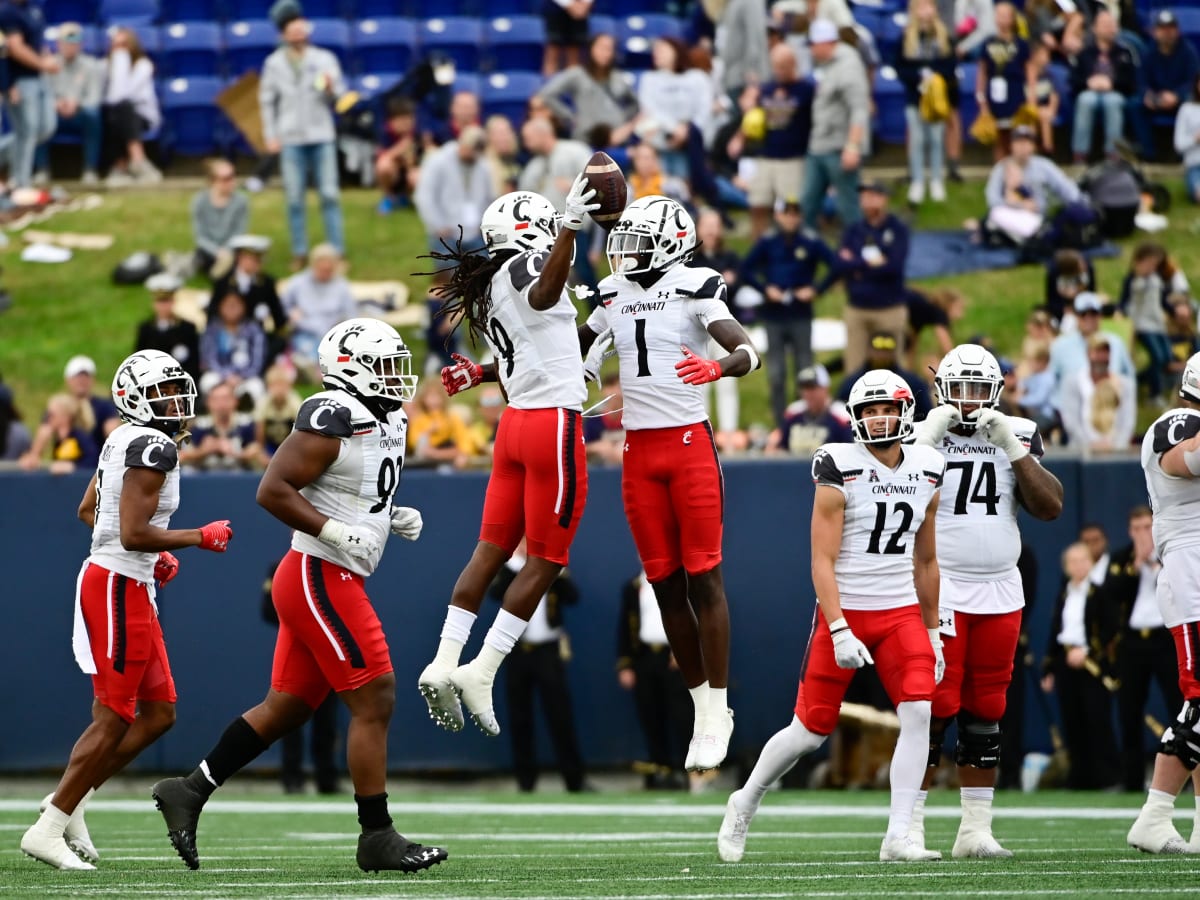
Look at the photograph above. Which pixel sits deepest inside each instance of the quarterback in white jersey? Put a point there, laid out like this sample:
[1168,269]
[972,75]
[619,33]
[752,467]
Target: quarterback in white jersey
[875,573]
[118,639]
[515,299]
[654,310]
[992,469]
[332,480]
[1171,461]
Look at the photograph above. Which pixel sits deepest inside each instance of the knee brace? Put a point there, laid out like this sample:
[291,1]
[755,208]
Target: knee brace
[978,742]
[937,738]
[1182,737]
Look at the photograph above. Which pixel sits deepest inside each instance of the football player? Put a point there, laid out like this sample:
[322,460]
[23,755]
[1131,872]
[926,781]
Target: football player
[655,309]
[1171,460]
[118,640]
[332,480]
[992,469]
[875,573]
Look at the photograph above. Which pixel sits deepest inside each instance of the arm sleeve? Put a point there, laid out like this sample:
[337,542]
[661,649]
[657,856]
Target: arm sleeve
[148,451]
[200,225]
[1126,291]
[1185,131]
[268,98]
[336,75]
[1067,190]
[858,97]
[241,215]
[598,320]
[551,93]
[709,310]
[994,192]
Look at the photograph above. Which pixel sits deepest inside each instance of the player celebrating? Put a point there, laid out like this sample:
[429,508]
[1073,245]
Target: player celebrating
[875,573]
[991,468]
[656,307]
[118,640]
[332,480]
[1171,460]
[513,297]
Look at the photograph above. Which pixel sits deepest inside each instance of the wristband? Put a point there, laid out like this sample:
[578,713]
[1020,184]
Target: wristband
[838,625]
[935,636]
[749,352]
[1191,459]
[332,532]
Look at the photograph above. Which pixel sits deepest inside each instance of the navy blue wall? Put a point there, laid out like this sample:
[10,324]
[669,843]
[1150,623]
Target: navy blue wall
[221,650]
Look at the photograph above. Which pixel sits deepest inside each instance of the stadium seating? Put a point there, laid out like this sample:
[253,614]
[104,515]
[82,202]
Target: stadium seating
[370,86]
[433,9]
[192,10]
[621,8]
[334,36]
[190,49]
[1189,23]
[380,9]
[890,126]
[384,45]
[193,125]
[636,34]
[602,24]
[247,45]
[968,106]
[508,93]
[456,37]
[515,43]
[514,7]
[82,11]
[468,81]
[128,11]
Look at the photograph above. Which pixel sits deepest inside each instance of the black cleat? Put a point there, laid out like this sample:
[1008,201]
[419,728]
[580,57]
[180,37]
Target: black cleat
[180,807]
[386,849]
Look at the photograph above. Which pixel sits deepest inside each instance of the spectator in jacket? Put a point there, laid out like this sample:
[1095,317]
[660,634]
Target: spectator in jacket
[1069,351]
[1154,287]
[594,95]
[78,86]
[1005,77]
[741,44]
[925,51]
[1020,187]
[15,438]
[219,214]
[713,253]
[1068,274]
[673,103]
[1187,140]
[30,102]
[454,189]
[814,419]
[66,432]
[167,332]
[276,412]
[96,415]
[130,110]
[1098,405]
[396,163]
[315,300]
[257,286]
[1103,78]
[223,439]
[234,349]
[1169,69]
[883,353]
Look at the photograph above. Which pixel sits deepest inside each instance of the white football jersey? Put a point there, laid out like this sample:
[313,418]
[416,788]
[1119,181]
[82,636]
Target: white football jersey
[358,488]
[884,510]
[131,447]
[649,327]
[537,351]
[1175,501]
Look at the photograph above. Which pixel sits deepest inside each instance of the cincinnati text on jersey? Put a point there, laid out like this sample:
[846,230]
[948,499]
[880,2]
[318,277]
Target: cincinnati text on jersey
[632,309]
[890,489]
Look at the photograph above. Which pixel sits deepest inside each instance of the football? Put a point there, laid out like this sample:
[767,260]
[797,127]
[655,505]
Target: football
[604,175]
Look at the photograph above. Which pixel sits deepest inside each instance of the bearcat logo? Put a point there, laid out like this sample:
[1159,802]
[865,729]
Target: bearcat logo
[344,345]
[319,417]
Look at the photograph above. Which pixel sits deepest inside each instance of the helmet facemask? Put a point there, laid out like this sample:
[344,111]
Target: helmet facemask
[899,426]
[968,393]
[396,381]
[630,252]
[172,401]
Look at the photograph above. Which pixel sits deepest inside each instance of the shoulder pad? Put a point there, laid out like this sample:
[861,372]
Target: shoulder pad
[325,415]
[825,468]
[151,451]
[1175,428]
[524,269]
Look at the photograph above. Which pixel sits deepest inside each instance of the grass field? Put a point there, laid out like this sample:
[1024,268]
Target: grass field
[649,847]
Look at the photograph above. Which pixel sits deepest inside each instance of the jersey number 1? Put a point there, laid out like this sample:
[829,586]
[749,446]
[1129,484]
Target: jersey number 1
[893,545]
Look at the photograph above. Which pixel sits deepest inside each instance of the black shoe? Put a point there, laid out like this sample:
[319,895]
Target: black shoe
[180,807]
[953,174]
[385,848]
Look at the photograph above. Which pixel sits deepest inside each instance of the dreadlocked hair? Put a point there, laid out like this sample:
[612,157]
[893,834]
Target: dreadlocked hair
[468,293]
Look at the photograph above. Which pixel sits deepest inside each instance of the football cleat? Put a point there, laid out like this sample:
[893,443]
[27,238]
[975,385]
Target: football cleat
[43,844]
[444,706]
[905,849]
[714,742]
[1160,836]
[689,763]
[180,807]
[76,834]
[731,839]
[976,845]
[475,690]
[386,849]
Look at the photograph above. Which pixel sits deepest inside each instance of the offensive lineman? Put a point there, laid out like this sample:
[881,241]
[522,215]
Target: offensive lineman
[1171,460]
[655,307]
[118,639]
[332,480]
[875,573]
[991,468]
[514,299]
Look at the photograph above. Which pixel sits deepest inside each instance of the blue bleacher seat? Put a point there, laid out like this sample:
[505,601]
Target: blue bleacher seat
[191,49]
[516,43]
[192,10]
[468,82]
[148,36]
[602,24]
[193,125]
[508,93]
[431,9]
[968,106]
[128,11]
[890,125]
[513,7]
[248,10]
[620,8]
[456,37]
[384,45]
[333,35]
[82,11]
[325,9]
[247,45]
[636,34]
[371,86]
[380,9]
[1189,22]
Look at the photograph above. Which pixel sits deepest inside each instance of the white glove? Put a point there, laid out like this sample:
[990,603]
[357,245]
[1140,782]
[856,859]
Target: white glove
[579,203]
[361,543]
[849,651]
[602,348]
[407,522]
[939,658]
[997,430]
[937,422]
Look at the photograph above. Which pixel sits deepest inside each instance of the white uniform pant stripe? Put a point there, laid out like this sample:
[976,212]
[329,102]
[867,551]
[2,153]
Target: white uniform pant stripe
[1189,662]
[312,605]
[112,577]
[558,501]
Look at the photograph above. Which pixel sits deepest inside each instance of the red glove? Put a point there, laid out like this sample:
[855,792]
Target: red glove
[215,536]
[695,369]
[461,376]
[166,568]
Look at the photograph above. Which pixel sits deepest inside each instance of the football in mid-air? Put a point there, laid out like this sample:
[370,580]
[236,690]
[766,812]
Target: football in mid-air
[604,175]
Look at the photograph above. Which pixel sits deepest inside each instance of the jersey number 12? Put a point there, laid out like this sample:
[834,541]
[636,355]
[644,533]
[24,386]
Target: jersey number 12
[893,545]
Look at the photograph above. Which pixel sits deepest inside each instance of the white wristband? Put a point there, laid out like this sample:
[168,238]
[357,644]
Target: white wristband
[749,352]
[1191,459]
[332,533]
[838,625]
[935,636]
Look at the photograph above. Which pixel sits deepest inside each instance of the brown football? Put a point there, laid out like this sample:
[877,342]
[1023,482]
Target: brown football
[605,176]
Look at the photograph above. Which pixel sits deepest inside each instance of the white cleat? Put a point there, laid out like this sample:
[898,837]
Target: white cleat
[977,845]
[444,708]
[731,839]
[475,690]
[76,834]
[52,849]
[1158,837]
[713,744]
[905,849]
[689,763]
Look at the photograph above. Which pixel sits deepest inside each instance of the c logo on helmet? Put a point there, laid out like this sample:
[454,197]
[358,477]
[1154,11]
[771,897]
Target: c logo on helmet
[517,211]
[350,332]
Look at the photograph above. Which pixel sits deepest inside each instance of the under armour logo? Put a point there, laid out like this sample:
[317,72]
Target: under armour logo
[428,853]
[663,295]
[353,539]
[346,576]
[687,438]
[914,476]
[945,623]
[626,448]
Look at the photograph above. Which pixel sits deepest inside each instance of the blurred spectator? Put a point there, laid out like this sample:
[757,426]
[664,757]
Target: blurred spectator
[465,111]
[1168,71]
[219,214]
[396,163]
[164,330]
[315,300]
[257,287]
[299,86]
[1005,79]
[1051,24]
[712,253]
[1010,396]
[926,69]
[672,102]
[937,309]
[783,268]
[840,119]
[1068,274]
[68,434]
[814,419]
[275,413]
[491,408]
[130,110]
[1092,535]
[15,439]
[1181,331]
[594,95]
[566,33]
[1037,391]
[30,97]
[1039,335]
[1098,405]
[872,257]
[233,349]
[603,433]
[648,177]
[437,434]
[974,21]
[222,440]
[502,154]
[78,86]
[1069,352]
[1152,290]
[741,44]
[553,166]
[1103,77]
[1187,140]
[1020,187]
[883,353]
[96,416]
[537,108]
[1045,96]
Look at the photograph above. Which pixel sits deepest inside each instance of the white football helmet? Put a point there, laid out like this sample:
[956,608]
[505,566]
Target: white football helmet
[969,374]
[653,233]
[881,386]
[368,358]
[520,220]
[1189,388]
[151,388]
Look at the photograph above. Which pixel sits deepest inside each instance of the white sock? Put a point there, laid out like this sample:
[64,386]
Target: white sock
[457,626]
[780,753]
[505,632]
[1196,818]
[78,814]
[54,820]
[1159,804]
[917,825]
[976,808]
[700,701]
[718,701]
[909,762]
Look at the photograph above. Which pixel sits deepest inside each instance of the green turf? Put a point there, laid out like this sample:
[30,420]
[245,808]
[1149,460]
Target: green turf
[820,844]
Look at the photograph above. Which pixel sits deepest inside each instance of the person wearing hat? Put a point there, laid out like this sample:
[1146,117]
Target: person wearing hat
[300,84]
[220,213]
[840,118]
[1098,404]
[257,287]
[1104,77]
[97,415]
[1169,69]
[884,353]
[1187,139]
[1069,351]
[814,419]
[77,87]
[871,259]
[1020,187]
[164,330]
